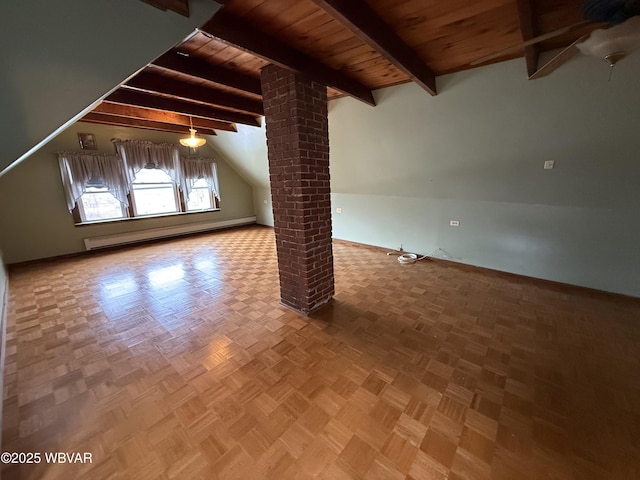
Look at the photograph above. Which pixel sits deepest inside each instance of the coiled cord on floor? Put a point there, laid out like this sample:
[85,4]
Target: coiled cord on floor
[408,258]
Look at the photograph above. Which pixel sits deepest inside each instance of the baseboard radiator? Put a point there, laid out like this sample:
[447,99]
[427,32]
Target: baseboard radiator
[94,243]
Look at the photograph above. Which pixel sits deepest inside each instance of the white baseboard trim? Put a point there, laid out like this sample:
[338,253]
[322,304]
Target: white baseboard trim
[165,232]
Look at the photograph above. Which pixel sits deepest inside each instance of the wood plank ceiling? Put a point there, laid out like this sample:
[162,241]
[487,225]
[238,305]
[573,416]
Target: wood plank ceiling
[353,46]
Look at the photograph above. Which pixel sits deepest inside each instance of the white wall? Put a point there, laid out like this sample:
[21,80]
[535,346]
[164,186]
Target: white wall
[249,146]
[263,206]
[475,152]
[59,57]
[246,150]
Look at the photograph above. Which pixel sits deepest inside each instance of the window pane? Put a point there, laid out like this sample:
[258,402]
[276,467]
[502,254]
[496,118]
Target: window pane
[153,193]
[200,196]
[152,175]
[152,199]
[100,204]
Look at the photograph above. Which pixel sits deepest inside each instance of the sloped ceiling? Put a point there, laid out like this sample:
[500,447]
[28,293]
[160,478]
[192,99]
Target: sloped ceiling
[211,79]
[353,46]
[57,62]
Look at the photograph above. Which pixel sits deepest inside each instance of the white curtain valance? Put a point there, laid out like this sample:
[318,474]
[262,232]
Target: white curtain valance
[117,171]
[139,154]
[194,168]
[78,168]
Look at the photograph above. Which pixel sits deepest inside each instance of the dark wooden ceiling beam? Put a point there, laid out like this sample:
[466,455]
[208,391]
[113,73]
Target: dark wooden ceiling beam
[140,113]
[198,68]
[235,31]
[148,100]
[178,6]
[527,28]
[153,82]
[105,119]
[358,17]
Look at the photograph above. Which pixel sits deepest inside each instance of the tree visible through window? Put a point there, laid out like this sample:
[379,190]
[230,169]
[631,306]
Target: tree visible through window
[201,196]
[98,203]
[141,179]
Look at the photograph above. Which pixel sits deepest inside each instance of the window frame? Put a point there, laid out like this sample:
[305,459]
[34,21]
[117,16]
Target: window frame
[130,213]
[129,209]
[176,198]
[80,214]
[212,197]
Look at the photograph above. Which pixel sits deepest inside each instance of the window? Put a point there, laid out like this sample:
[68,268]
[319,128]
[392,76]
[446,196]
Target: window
[153,192]
[98,203]
[141,179]
[201,196]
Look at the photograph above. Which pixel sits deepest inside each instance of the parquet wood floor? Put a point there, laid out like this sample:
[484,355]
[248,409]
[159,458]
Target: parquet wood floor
[176,360]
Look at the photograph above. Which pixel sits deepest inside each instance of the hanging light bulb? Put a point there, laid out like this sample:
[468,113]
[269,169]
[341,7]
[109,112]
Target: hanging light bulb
[192,141]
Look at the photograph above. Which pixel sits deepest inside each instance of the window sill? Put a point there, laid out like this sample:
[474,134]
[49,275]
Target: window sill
[144,217]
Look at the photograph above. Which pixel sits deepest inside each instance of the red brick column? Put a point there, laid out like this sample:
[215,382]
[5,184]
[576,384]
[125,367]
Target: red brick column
[298,146]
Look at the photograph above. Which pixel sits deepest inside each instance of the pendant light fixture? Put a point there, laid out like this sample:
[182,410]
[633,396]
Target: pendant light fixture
[192,141]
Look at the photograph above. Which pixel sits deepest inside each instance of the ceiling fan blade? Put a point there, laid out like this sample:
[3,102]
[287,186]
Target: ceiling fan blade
[559,59]
[532,41]
[611,12]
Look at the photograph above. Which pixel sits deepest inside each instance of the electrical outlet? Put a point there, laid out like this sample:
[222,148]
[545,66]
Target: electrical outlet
[454,223]
[549,164]
[265,202]
[338,210]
